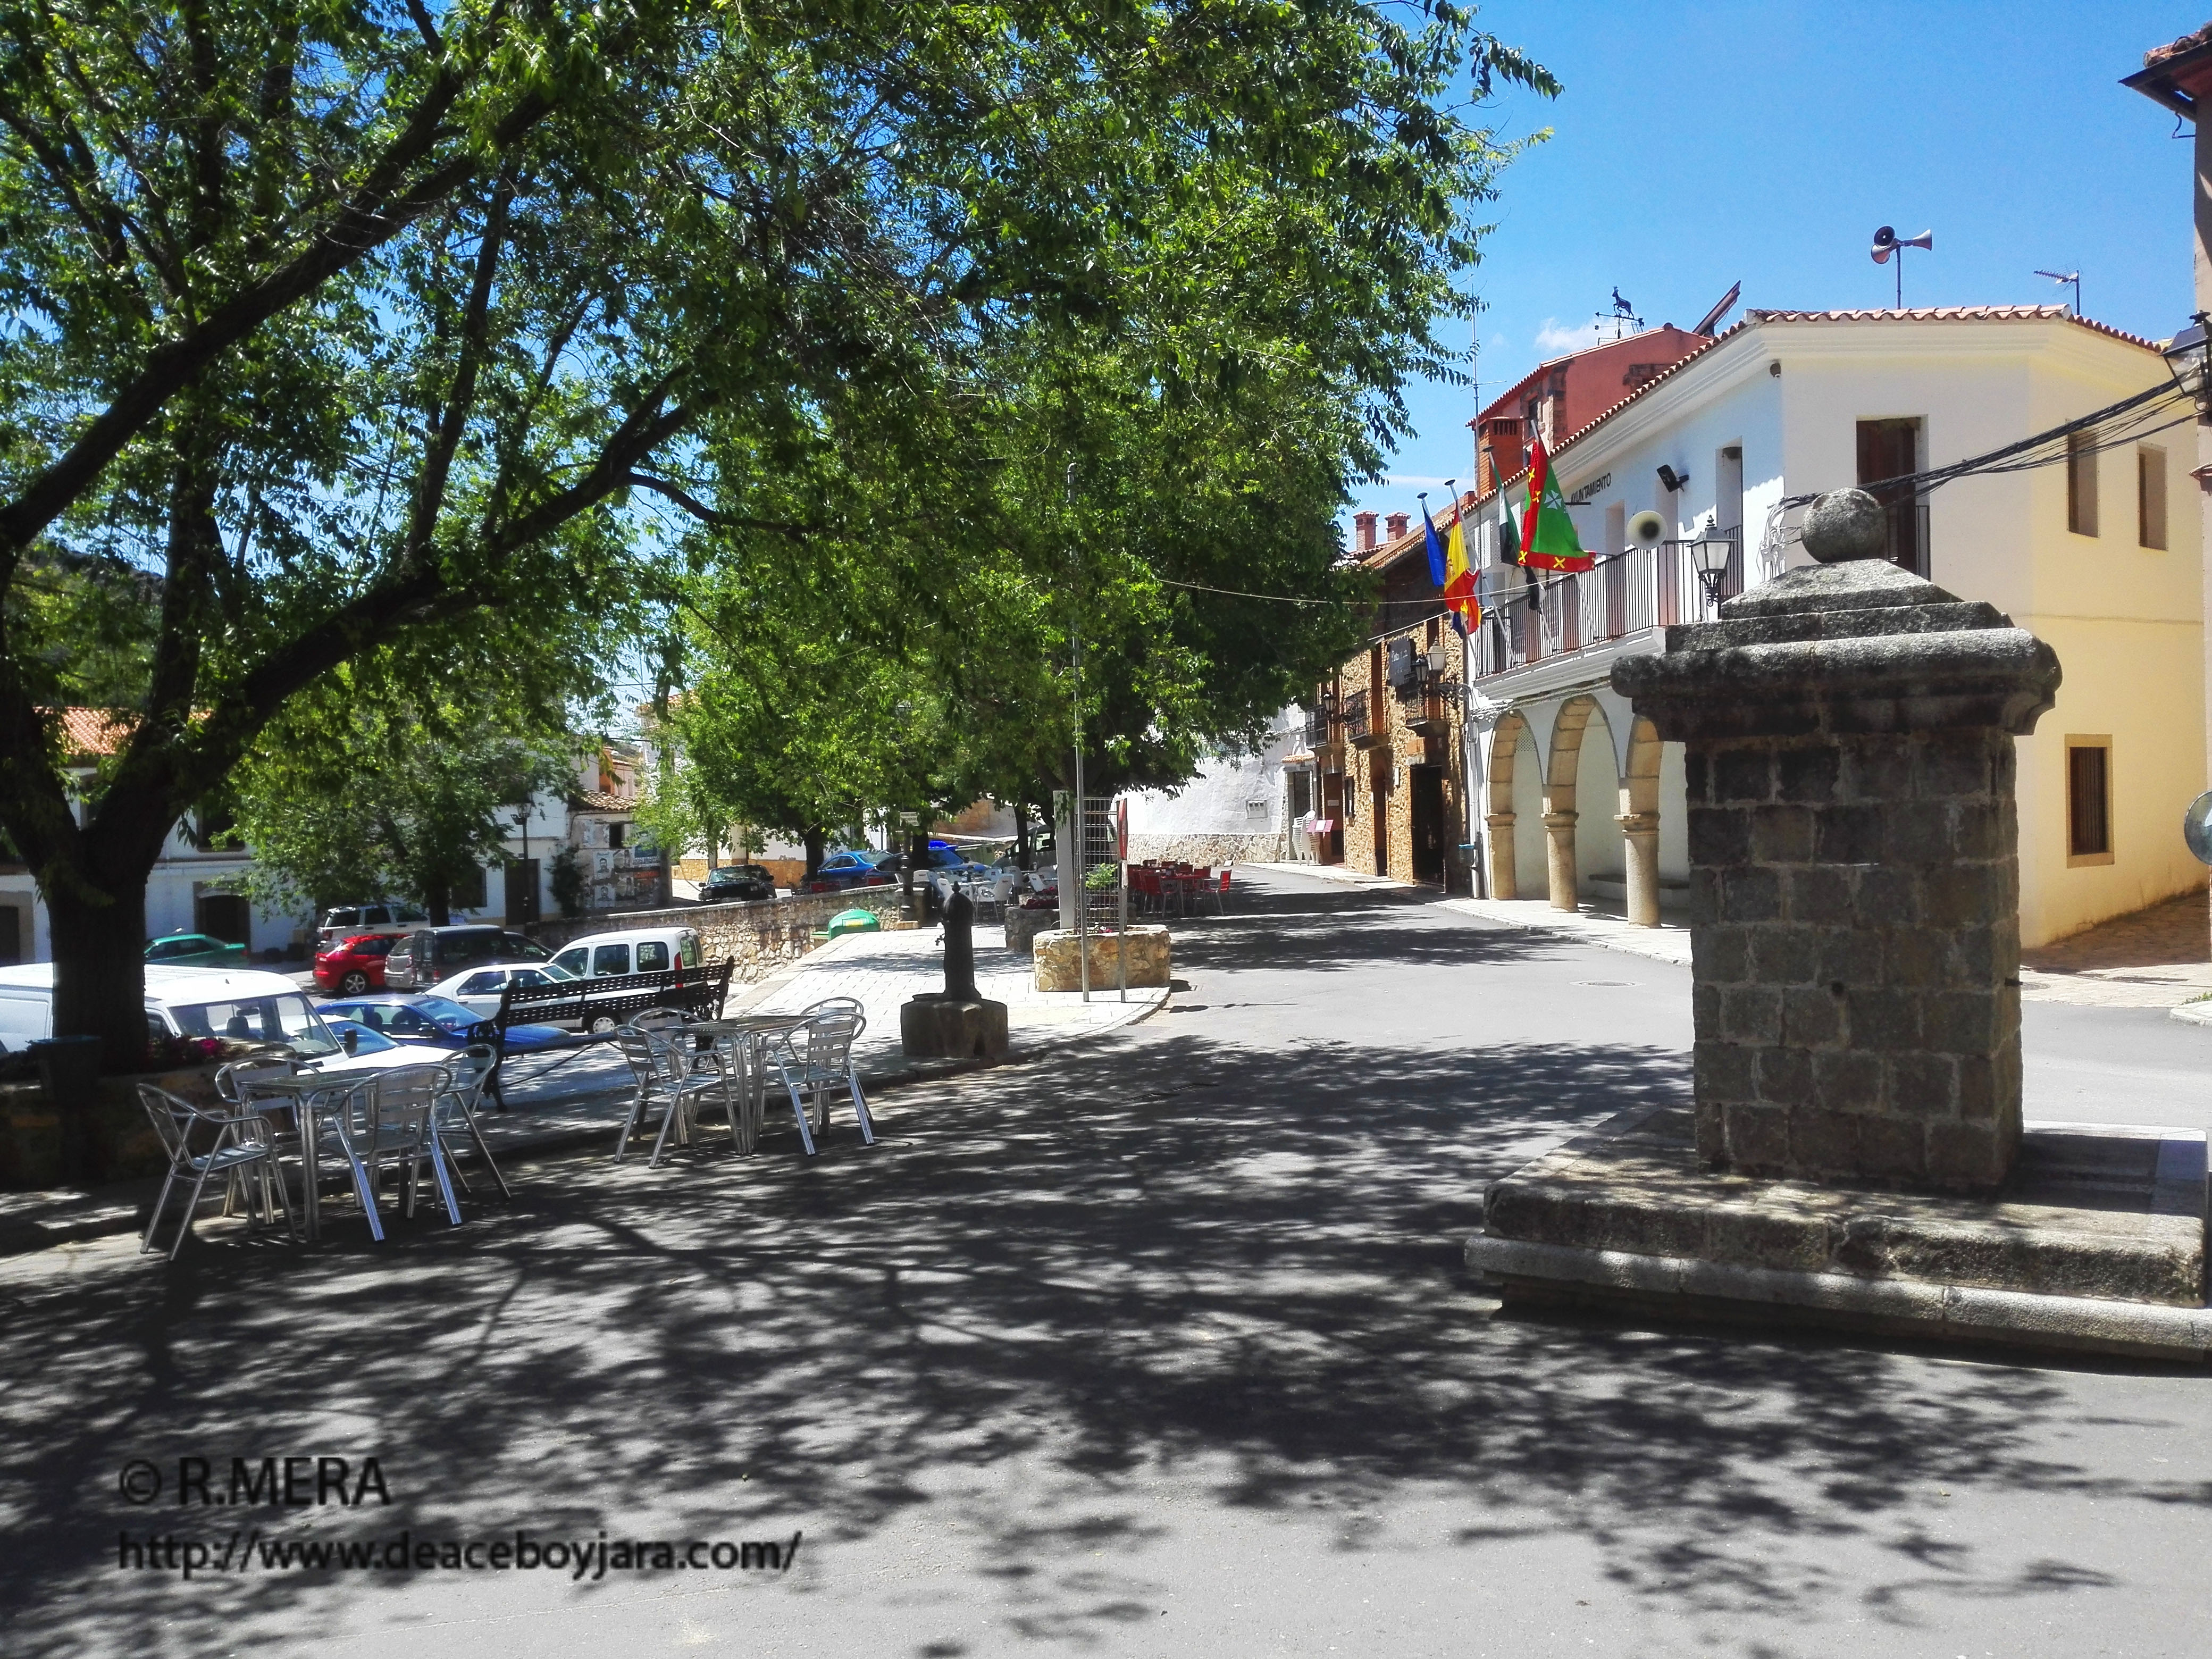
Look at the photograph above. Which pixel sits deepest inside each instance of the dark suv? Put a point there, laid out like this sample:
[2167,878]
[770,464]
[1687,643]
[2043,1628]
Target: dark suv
[430,956]
[736,882]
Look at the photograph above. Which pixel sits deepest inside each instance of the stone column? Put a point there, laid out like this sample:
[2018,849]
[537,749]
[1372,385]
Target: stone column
[1502,883]
[1641,832]
[1559,856]
[1850,730]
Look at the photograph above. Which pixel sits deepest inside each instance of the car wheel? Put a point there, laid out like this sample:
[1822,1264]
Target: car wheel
[353,984]
[602,1024]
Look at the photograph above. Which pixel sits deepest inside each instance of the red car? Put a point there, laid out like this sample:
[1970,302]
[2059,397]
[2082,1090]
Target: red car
[355,964]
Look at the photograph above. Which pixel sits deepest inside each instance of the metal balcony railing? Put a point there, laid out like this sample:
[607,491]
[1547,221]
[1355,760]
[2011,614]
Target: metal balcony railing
[1642,588]
[1353,716]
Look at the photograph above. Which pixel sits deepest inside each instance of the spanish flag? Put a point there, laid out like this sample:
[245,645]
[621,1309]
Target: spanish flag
[1549,541]
[1459,580]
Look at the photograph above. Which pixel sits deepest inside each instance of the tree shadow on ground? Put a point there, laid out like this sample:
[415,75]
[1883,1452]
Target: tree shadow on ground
[1160,1257]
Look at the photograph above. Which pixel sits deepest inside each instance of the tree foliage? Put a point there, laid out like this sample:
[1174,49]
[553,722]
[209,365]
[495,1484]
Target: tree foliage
[328,328]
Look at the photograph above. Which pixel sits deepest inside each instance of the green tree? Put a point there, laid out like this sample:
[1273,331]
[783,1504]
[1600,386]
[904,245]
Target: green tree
[340,324]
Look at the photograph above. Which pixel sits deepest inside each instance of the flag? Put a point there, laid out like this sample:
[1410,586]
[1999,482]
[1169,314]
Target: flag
[1459,580]
[1548,540]
[1436,548]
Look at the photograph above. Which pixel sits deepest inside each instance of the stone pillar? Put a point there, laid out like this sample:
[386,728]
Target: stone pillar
[1848,732]
[1641,832]
[1559,856]
[1502,882]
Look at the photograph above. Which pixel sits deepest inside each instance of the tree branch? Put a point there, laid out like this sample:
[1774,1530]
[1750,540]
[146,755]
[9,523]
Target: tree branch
[706,514]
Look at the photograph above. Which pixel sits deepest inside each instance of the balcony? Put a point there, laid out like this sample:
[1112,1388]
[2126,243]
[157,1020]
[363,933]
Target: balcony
[1631,593]
[1359,730]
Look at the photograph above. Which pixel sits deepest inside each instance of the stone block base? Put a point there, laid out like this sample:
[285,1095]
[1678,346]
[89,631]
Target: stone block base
[934,1026]
[1023,925]
[2097,1240]
[1058,964]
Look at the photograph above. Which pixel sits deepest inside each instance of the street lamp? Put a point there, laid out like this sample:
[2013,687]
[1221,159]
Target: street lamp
[2189,360]
[1709,557]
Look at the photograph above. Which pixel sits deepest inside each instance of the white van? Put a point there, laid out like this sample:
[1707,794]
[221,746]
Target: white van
[196,1002]
[640,951]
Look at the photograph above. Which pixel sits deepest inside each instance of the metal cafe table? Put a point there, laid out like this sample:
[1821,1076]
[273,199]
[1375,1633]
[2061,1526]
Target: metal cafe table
[748,1037]
[312,1101]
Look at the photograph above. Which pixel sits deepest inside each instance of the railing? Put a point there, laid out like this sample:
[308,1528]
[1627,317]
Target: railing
[1353,716]
[1629,592]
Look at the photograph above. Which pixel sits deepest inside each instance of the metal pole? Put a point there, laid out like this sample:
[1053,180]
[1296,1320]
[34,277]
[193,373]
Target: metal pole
[1082,822]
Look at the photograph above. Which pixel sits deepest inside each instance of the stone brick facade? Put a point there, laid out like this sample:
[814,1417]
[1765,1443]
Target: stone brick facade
[1857,950]
[1409,727]
[1848,733]
[761,935]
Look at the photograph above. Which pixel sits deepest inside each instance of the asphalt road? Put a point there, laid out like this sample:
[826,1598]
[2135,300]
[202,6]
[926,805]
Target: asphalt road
[1157,1347]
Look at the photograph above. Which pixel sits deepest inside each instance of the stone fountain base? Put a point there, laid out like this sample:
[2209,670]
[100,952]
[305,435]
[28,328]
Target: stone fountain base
[2096,1240]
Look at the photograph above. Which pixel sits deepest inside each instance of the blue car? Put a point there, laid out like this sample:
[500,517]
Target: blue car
[842,870]
[427,1022]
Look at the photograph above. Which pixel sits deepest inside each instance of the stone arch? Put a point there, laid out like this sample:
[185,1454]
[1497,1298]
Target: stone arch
[1562,770]
[1502,823]
[1639,777]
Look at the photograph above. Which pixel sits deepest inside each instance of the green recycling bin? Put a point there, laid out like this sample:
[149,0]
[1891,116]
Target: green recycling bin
[855,922]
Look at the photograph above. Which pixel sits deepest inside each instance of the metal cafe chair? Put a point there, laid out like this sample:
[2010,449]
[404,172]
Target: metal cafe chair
[388,1121]
[233,1086]
[454,1113]
[661,1068]
[242,1144]
[815,1057]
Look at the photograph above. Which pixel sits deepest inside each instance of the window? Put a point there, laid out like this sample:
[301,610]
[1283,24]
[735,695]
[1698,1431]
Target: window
[2081,483]
[2088,800]
[482,984]
[2150,497]
[611,959]
[573,962]
[687,953]
[652,956]
[616,834]
[1887,449]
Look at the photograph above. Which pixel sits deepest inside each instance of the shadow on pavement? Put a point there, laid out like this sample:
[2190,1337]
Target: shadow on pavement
[1166,1256]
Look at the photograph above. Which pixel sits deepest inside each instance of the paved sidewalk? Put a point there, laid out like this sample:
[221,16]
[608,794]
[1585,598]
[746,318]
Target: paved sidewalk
[583,1100]
[1668,942]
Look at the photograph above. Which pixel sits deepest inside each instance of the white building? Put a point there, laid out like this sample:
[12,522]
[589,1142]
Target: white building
[1239,808]
[2097,556]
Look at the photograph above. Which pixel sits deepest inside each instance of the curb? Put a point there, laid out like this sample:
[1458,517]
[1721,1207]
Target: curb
[1949,1313]
[2192,1013]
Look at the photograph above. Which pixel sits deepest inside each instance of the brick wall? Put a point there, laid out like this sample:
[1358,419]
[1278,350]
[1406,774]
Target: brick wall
[1211,850]
[1857,943]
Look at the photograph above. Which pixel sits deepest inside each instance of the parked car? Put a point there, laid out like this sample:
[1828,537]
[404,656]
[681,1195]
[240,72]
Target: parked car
[640,950]
[429,956]
[735,882]
[357,1039]
[196,950]
[385,916]
[241,1003]
[479,988]
[352,965]
[434,1021]
[842,870]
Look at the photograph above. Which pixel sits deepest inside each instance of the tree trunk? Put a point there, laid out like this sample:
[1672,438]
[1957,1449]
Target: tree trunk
[438,899]
[818,843]
[1024,856]
[99,967]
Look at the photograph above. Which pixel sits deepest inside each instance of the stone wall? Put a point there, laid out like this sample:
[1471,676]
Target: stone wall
[760,935]
[1858,955]
[1211,850]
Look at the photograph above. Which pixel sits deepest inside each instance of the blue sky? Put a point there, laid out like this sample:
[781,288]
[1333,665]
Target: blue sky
[1696,145]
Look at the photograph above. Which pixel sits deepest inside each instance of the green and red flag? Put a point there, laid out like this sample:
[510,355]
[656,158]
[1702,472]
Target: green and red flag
[1549,541]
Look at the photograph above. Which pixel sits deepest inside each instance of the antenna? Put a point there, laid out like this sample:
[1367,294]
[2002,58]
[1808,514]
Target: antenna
[1886,242]
[2064,277]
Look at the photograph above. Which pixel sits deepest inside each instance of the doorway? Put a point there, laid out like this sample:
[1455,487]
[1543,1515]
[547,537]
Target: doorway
[1428,825]
[226,916]
[521,895]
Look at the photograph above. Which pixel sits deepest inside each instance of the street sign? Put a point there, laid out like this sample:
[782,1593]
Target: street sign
[2196,827]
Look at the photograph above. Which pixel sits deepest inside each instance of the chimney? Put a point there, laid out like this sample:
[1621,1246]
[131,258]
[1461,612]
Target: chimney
[1500,452]
[1363,533]
[1396,525]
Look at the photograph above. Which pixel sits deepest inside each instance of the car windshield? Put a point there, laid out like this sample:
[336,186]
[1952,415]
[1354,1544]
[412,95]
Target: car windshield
[451,1015]
[286,1020]
[365,1041]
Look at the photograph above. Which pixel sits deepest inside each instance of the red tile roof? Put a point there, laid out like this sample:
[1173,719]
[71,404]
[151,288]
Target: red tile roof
[91,733]
[599,800]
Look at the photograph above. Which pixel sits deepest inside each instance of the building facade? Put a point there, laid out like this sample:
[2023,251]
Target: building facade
[2095,553]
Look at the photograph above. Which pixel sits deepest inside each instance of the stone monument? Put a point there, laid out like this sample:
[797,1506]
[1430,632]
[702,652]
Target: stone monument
[1848,733]
[1853,1152]
[958,1022]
